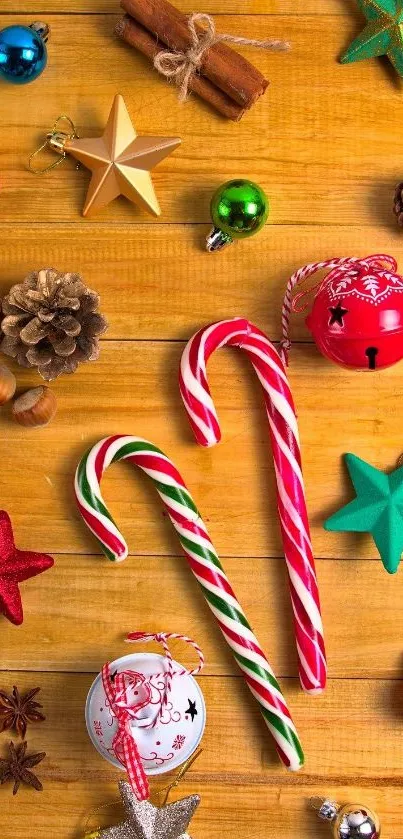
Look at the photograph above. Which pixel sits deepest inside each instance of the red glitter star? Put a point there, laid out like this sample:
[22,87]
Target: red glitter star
[16,566]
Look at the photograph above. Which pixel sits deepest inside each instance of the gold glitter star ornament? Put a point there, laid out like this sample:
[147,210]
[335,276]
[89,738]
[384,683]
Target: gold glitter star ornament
[383,34]
[145,821]
[120,161]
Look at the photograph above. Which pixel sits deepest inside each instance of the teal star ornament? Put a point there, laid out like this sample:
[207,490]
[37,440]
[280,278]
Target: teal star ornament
[383,34]
[377,509]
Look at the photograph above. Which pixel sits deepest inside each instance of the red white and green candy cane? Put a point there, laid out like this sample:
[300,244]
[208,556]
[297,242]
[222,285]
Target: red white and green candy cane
[283,426]
[203,561]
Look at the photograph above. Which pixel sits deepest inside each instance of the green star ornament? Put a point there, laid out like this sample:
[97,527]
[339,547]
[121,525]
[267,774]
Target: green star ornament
[383,34]
[377,509]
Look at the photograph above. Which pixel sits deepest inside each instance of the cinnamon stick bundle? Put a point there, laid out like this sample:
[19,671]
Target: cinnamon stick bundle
[225,69]
[138,37]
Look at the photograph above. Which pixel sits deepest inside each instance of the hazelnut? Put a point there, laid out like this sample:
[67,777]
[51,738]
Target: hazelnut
[8,384]
[35,407]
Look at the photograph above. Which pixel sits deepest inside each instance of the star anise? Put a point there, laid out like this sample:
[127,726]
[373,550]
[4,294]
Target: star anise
[17,767]
[17,710]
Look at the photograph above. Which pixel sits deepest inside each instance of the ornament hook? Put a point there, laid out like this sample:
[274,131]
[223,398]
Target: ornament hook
[55,140]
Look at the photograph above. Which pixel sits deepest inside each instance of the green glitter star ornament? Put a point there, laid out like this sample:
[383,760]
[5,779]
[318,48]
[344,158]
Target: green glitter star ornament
[377,509]
[383,34]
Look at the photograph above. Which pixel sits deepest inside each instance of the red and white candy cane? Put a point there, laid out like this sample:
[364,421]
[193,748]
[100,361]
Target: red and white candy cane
[202,414]
[203,561]
[118,686]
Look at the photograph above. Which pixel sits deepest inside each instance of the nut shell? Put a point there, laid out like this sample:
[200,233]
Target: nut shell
[8,384]
[35,407]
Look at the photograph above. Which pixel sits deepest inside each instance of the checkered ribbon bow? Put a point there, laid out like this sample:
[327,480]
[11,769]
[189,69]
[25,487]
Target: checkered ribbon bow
[119,686]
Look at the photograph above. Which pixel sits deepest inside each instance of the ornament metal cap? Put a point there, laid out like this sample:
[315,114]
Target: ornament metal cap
[217,240]
[42,29]
[55,141]
[325,809]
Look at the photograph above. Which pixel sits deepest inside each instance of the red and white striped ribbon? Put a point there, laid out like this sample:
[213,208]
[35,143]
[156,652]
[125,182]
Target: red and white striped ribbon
[162,638]
[291,504]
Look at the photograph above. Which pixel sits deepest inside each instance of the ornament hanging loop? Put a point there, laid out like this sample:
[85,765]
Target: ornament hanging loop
[55,141]
[44,169]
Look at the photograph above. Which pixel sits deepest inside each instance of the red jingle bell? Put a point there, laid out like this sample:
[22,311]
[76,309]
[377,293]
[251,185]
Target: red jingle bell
[357,314]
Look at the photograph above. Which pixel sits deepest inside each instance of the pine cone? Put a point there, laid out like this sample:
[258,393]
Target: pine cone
[398,204]
[50,322]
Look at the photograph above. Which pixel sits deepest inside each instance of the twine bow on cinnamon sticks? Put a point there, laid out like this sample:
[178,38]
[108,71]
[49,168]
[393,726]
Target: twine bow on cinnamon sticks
[189,51]
[182,65]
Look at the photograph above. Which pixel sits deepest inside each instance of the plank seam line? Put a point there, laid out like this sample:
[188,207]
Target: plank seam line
[209,778]
[106,340]
[262,557]
[68,13]
[222,556]
[220,676]
[125,225]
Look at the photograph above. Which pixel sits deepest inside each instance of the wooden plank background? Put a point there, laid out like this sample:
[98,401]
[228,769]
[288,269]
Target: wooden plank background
[325,143]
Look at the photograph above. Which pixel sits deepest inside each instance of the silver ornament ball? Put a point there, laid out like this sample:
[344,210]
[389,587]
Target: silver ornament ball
[352,821]
[358,824]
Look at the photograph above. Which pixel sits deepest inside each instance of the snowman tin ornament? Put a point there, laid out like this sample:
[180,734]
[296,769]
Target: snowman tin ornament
[146,713]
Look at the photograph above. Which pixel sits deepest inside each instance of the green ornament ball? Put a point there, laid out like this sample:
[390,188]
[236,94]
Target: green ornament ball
[239,208]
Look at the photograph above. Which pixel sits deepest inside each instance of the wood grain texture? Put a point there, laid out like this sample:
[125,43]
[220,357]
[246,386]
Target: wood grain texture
[324,142]
[162,284]
[234,806]
[233,718]
[361,642]
[326,173]
[249,7]
[133,390]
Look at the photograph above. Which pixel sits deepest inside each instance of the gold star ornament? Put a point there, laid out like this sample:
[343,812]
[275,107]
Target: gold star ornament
[120,161]
[144,821]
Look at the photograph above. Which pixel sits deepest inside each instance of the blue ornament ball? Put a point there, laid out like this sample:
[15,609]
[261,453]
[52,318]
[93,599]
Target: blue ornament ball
[23,54]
